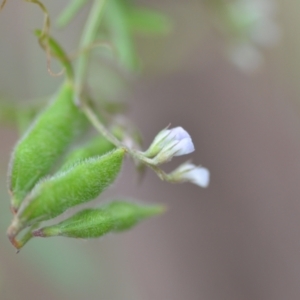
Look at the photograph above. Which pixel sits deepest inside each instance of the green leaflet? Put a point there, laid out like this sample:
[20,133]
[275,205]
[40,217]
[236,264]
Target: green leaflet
[8,113]
[83,182]
[93,223]
[44,142]
[24,118]
[15,115]
[117,24]
[147,21]
[69,12]
[19,115]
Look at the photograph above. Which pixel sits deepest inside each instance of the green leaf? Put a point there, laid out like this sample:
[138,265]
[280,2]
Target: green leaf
[8,113]
[14,114]
[69,12]
[20,115]
[117,23]
[147,21]
[92,223]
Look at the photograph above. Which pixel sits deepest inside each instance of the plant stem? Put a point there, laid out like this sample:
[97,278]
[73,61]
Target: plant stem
[100,127]
[110,137]
[88,37]
[92,117]
[26,237]
[69,12]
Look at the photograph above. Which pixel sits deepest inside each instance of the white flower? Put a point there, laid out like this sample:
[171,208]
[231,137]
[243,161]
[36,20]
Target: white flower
[189,172]
[169,143]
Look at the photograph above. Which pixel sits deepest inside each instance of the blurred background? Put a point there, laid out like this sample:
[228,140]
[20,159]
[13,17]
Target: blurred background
[236,240]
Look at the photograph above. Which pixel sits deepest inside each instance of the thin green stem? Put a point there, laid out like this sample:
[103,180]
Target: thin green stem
[92,117]
[27,236]
[69,12]
[88,37]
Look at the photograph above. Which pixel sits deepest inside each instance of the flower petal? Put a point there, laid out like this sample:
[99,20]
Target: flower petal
[179,133]
[189,172]
[199,176]
[185,146]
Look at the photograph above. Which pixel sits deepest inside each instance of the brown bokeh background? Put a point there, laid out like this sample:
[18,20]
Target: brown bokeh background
[236,240]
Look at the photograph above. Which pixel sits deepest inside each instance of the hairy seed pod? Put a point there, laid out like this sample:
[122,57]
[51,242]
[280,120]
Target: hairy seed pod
[44,142]
[93,223]
[96,147]
[81,183]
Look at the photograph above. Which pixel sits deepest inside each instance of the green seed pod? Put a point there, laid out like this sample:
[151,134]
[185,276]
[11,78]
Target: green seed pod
[96,147]
[92,223]
[81,183]
[44,142]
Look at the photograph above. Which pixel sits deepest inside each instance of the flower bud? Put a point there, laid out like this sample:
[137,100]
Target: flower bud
[169,143]
[190,172]
[92,223]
